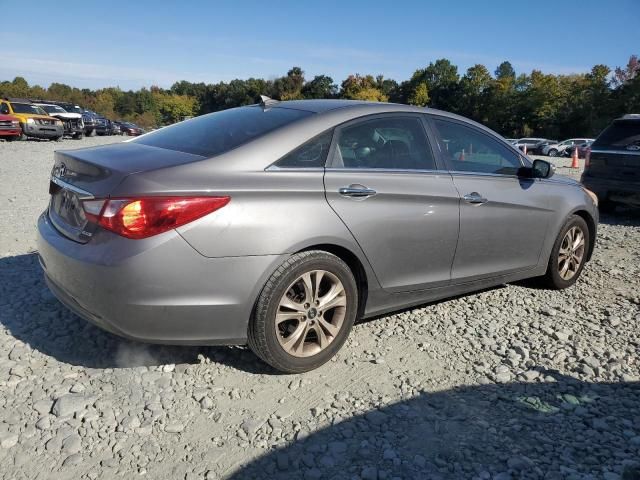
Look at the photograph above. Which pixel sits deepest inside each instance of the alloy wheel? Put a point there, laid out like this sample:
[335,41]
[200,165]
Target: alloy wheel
[311,313]
[571,253]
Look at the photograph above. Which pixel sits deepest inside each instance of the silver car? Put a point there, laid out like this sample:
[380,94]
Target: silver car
[279,224]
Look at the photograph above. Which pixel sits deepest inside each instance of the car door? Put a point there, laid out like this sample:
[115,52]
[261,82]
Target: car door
[503,217]
[383,181]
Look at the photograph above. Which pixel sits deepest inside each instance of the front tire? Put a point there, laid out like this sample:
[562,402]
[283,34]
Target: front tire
[304,313]
[553,152]
[569,254]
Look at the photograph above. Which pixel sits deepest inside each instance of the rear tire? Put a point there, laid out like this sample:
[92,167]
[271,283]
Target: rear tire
[92,133]
[78,136]
[568,255]
[305,336]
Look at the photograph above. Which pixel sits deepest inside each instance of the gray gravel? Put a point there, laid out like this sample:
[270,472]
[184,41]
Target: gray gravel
[511,383]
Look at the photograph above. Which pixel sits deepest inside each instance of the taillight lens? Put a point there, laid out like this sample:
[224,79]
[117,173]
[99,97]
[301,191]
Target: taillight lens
[144,217]
[587,157]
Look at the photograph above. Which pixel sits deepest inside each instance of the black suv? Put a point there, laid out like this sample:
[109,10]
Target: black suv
[612,169]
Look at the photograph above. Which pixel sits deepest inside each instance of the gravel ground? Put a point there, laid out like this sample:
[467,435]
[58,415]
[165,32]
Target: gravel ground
[511,383]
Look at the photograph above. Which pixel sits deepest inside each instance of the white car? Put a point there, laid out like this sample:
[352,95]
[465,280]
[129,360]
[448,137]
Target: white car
[555,149]
[73,124]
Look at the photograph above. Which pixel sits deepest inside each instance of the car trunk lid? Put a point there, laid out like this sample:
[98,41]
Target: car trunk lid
[93,173]
[614,165]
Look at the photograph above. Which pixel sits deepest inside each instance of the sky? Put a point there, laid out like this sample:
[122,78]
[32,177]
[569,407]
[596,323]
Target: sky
[131,44]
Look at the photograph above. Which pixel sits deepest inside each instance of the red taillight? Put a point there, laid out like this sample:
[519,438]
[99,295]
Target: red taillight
[587,157]
[147,216]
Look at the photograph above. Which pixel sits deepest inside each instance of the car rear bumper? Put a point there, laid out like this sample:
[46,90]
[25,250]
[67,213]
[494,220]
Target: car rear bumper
[621,191]
[157,290]
[43,131]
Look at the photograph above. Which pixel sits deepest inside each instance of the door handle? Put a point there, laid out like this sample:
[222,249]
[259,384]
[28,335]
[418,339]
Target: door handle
[475,198]
[357,191]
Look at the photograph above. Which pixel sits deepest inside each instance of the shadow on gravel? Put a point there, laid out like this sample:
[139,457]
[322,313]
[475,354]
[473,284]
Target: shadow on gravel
[30,313]
[555,430]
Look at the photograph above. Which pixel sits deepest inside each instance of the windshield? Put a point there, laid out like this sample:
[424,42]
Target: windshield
[220,132]
[27,108]
[621,134]
[53,109]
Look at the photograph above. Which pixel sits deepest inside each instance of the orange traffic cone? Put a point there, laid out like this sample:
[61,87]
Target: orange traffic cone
[574,159]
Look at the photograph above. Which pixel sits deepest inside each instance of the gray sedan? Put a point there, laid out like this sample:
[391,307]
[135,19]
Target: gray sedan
[279,224]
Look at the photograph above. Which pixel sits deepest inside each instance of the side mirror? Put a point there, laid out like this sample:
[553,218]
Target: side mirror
[542,169]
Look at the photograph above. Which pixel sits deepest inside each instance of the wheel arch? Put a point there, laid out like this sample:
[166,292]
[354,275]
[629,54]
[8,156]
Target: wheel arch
[591,224]
[355,265]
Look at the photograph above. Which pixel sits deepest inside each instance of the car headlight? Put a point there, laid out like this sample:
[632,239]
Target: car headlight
[30,120]
[593,196]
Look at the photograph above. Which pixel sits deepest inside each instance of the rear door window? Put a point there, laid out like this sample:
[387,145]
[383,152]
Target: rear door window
[390,143]
[219,132]
[620,135]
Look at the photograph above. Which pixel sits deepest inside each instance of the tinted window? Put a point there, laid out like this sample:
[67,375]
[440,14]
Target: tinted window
[391,143]
[620,134]
[27,108]
[311,154]
[465,149]
[220,132]
[4,108]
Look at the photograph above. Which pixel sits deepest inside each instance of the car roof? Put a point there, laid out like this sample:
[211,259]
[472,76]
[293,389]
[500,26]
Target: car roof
[357,108]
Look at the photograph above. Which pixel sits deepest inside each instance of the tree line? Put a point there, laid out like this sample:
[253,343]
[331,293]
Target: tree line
[515,105]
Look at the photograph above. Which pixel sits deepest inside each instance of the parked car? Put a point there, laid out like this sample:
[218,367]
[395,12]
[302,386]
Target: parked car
[103,126]
[130,129]
[88,119]
[73,125]
[612,168]
[558,149]
[534,145]
[583,149]
[115,129]
[279,224]
[10,127]
[34,122]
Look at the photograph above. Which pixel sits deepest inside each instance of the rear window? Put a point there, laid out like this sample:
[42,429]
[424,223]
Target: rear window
[621,134]
[220,132]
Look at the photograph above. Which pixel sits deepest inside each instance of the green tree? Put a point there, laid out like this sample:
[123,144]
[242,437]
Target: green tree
[289,87]
[505,71]
[357,87]
[419,94]
[321,86]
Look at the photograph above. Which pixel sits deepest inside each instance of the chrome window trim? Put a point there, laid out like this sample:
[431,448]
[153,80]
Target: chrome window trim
[482,174]
[82,194]
[387,170]
[275,168]
[621,152]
